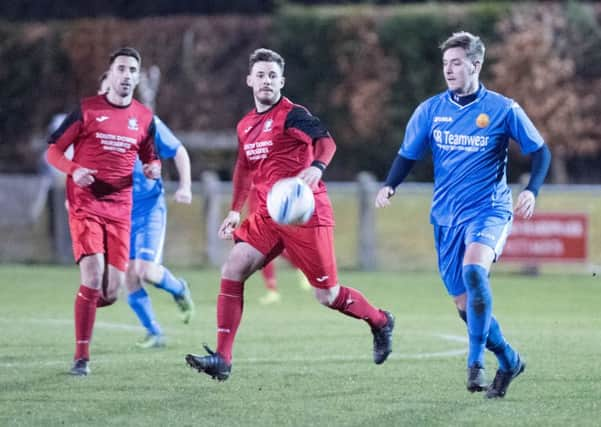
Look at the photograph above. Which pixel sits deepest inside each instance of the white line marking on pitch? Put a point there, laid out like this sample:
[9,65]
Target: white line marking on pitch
[330,358]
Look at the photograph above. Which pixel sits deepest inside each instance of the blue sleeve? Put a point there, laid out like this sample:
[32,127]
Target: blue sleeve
[541,159]
[416,140]
[166,142]
[401,166]
[522,130]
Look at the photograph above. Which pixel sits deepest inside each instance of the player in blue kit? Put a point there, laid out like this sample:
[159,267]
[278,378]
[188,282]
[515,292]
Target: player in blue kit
[149,223]
[468,128]
[148,228]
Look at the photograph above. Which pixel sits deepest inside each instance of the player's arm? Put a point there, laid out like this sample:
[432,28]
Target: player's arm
[183,194]
[58,143]
[151,165]
[170,147]
[522,130]
[307,128]
[413,148]
[401,166]
[241,183]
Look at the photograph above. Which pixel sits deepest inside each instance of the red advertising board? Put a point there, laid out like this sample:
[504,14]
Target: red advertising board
[548,237]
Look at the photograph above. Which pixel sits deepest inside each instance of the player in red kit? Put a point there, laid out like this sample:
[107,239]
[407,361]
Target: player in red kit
[108,132]
[279,139]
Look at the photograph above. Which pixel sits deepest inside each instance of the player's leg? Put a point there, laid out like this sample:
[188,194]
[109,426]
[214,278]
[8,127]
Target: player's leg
[272,295]
[149,245]
[312,249]
[91,269]
[476,264]
[242,261]
[140,303]
[254,238]
[450,248]
[87,235]
[485,239]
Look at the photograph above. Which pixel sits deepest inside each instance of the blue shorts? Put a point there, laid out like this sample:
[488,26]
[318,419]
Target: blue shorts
[148,228]
[450,242]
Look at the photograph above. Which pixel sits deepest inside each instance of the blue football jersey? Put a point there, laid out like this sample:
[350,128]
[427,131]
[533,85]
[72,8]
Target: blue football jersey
[166,147]
[469,147]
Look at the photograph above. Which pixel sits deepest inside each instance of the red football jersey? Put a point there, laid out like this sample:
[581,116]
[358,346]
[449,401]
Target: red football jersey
[107,138]
[278,143]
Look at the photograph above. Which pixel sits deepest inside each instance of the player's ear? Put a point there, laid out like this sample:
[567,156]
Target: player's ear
[282,82]
[249,82]
[477,67]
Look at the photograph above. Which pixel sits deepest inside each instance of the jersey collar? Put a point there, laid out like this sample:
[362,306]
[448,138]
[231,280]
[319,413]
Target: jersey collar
[462,101]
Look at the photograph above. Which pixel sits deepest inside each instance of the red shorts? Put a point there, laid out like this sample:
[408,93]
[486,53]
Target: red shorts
[311,249]
[95,235]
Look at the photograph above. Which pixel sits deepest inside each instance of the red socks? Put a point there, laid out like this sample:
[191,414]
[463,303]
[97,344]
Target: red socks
[85,315]
[352,303]
[229,313]
[268,273]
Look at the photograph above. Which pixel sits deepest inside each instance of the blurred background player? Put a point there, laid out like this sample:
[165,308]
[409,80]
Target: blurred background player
[468,129]
[108,133]
[279,139]
[149,225]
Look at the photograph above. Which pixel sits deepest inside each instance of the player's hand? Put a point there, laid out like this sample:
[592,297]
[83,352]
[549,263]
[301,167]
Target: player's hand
[83,177]
[525,205]
[228,225]
[383,196]
[152,170]
[183,195]
[311,176]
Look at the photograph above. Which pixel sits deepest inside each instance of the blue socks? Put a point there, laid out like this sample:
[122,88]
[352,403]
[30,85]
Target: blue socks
[479,311]
[140,303]
[506,355]
[170,284]
[483,328]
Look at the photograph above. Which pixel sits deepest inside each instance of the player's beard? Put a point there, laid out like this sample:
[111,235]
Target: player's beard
[267,98]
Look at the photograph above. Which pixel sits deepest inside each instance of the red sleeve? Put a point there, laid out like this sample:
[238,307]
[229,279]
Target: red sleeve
[241,182]
[324,150]
[57,158]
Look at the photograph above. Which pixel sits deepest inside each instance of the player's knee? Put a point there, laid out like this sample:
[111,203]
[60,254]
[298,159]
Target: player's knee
[327,296]
[476,281]
[150,272]
[238,267]
[473,275]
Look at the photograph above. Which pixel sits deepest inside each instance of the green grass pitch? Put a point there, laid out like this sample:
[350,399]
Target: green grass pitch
[297,363]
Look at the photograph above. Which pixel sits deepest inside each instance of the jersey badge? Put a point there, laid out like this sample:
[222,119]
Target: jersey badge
[268,125]
[482,120]
[132,123]
[102,119]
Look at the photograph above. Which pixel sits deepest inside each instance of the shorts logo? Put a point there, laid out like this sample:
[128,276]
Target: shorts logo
[132,123]
[267,126]
[322,278]
[482,120]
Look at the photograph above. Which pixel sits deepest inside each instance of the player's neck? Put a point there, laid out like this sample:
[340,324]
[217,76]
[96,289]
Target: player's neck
[117,100]
[470,89]
[261,108]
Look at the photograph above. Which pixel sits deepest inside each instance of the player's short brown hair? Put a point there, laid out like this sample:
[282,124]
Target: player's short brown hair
[473,46]
[265,55]
[126,51]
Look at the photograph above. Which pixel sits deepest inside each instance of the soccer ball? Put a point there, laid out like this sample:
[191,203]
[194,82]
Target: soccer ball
[290,201]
